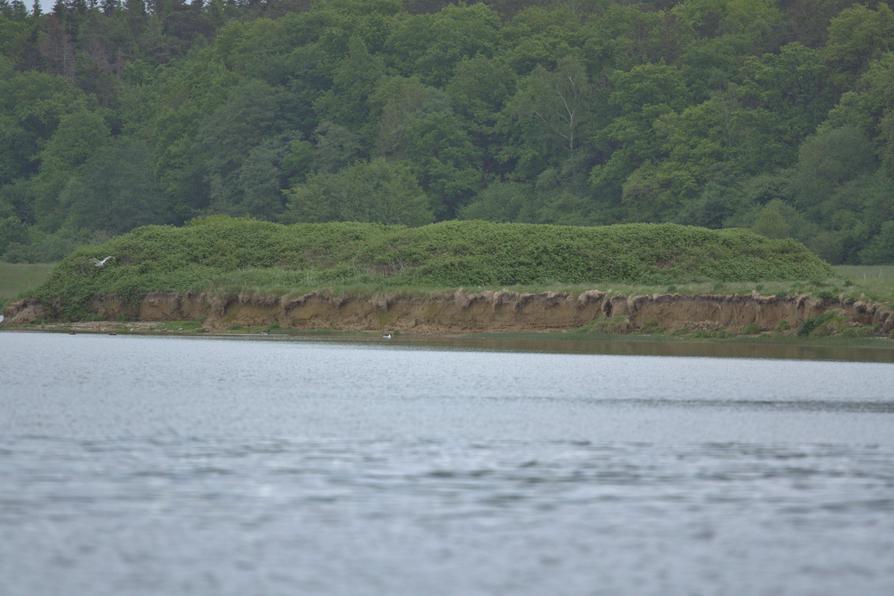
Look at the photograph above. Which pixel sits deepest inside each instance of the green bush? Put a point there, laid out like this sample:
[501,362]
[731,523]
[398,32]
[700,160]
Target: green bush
[816,325]
[752,329]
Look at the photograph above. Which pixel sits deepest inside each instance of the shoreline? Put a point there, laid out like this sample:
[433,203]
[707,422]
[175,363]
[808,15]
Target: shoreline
[573,341]
[461,311]
[586,321]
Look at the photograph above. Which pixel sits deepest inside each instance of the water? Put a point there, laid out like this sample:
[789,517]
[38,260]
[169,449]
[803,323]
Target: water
[145,465]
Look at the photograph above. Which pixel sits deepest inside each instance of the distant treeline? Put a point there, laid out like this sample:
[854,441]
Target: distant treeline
[773,115]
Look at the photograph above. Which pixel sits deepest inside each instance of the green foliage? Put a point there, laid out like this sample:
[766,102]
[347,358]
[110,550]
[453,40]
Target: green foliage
[230,139]
[38,246]
[827,323]
[881,248]
[500,202]
[234,254]
[777,220]
[752,329]
[379,191]
[116,190]
[353,80]
[857,35]
[828,160]
[777,116]
[431,45]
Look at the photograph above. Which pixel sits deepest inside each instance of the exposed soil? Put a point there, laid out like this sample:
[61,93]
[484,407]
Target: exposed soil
[462,311]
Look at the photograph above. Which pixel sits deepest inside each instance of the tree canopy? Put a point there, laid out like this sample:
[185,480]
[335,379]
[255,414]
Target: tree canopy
[767,114]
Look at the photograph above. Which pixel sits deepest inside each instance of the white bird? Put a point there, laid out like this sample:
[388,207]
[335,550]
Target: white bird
[2,318]
[102,262]
[386,336]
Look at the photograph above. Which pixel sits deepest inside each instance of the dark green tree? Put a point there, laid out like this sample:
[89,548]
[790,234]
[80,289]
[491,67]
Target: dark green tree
[379,191]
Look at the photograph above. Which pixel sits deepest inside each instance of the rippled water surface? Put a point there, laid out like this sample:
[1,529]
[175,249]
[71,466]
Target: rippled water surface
[134,465]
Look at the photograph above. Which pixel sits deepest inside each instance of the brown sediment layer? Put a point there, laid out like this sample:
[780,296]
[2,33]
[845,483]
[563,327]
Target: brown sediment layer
[480,311]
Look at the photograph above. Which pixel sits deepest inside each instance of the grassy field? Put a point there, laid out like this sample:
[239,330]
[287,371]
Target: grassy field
[876,281]
[16,278]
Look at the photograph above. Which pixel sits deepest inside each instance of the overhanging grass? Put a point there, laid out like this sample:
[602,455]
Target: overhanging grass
[226,254]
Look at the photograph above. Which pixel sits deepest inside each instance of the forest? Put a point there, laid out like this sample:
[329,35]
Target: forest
[777,116]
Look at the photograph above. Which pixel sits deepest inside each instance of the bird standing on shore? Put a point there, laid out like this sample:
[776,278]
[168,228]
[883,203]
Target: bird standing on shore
[102,262]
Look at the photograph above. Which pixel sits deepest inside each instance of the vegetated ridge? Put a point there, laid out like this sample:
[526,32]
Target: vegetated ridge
[237,272]
[222,254]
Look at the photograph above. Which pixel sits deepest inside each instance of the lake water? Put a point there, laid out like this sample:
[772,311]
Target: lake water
[141,465]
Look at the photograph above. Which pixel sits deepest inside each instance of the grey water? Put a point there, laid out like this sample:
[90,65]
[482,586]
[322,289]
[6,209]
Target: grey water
[144,465]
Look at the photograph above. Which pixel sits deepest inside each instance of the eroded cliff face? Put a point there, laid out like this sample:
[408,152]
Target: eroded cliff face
[482,311]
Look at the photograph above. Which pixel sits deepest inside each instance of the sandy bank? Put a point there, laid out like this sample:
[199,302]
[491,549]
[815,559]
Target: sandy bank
[462,311]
